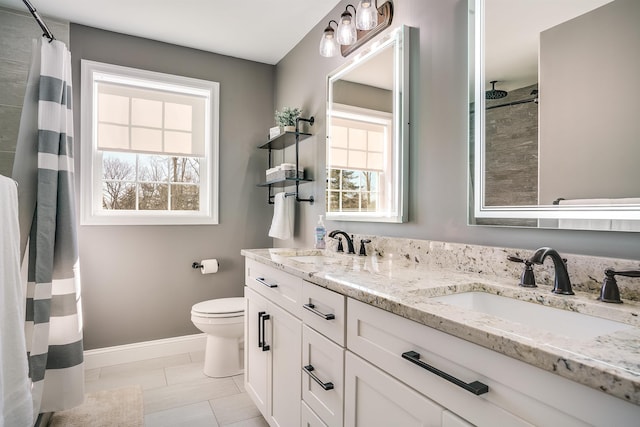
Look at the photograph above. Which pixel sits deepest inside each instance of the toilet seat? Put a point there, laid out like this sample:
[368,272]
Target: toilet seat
[221,307]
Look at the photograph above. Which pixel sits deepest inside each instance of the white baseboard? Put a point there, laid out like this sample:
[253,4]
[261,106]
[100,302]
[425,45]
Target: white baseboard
[135,352]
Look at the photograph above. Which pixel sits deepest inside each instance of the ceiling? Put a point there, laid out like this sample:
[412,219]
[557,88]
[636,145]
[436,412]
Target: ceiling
[257,30]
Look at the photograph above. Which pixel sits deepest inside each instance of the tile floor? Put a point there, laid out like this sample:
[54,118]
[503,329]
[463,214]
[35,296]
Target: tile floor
[177,393]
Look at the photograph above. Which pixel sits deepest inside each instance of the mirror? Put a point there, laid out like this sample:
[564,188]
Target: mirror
[367,133]
[554,138]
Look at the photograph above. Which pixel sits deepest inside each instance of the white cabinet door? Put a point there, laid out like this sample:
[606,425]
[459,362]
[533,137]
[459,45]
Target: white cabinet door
[273,349]
[256,372]
[451,420]
[375,399]
[284,334]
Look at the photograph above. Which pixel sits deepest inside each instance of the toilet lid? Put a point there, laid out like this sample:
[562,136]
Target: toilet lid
[220,306]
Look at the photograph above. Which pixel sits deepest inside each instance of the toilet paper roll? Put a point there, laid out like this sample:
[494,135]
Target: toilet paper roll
[208,266]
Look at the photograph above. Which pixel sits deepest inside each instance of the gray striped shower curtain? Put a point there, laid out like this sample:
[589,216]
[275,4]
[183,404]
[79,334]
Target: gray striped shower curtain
[43,168]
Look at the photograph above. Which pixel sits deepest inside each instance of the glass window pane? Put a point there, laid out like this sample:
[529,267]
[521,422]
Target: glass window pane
[350,201]
[113,109]
[153,168]
[350,180]
[144,139]
[114,137]
[184,169]
[118,166]
[369,202]
[334,179]
[153,197]
[370,181]
[333,201]
[118,195]
[185,197]
[145,112]
[178,116]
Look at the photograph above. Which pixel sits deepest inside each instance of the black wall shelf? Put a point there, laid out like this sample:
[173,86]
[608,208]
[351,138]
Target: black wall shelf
[280,142]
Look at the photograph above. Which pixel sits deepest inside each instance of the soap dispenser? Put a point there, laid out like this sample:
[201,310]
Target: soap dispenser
[320,233]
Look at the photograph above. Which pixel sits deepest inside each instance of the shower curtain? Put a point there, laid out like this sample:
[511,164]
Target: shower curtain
[43,168]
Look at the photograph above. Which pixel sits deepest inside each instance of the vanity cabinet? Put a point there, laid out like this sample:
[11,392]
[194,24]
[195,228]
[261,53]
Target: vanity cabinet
[333,361]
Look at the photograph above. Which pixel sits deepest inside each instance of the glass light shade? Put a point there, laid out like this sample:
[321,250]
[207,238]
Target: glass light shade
[366,15]
[347,30]
[328,44]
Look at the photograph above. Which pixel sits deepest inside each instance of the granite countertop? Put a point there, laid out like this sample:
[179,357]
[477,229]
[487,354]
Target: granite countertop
[609,363]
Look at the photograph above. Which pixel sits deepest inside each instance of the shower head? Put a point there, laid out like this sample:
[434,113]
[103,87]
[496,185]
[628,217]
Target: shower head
[495,93]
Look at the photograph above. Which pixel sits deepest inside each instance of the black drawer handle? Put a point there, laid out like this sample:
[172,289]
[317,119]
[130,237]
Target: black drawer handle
[263,317]
[308,369]
[260,314]
[475,387]
[312,308]
[264,282]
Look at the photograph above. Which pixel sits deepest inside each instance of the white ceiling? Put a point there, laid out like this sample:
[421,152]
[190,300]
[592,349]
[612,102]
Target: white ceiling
[258,30]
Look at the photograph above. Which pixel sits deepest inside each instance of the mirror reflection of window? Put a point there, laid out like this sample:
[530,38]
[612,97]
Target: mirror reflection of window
[358,157]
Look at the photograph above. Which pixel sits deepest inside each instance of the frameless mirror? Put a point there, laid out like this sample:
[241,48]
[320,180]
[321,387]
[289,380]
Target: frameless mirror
[367,133]
[554,138]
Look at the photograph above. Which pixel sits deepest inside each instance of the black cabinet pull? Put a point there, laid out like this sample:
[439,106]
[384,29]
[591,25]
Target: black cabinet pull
[475,387]
[260,314]
[264,282]
[265,346]
[326,386]
[312,308]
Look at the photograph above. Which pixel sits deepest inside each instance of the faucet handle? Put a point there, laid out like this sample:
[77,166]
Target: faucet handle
[609,291]
[363,250]
[527,279]
[340,247]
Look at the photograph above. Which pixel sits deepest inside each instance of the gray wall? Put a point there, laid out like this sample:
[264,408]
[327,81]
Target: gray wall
[363,96]
[589,105]
[138,283]
[18,31]
[439,128]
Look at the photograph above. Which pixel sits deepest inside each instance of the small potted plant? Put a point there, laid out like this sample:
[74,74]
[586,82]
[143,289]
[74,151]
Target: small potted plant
[287,118]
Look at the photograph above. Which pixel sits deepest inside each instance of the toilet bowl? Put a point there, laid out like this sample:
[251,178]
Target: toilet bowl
[223,321]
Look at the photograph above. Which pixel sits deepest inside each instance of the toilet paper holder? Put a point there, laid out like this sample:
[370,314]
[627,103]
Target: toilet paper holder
[196,265]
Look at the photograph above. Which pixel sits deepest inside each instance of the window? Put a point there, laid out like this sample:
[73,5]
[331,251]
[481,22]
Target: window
[150,147]
[358,158]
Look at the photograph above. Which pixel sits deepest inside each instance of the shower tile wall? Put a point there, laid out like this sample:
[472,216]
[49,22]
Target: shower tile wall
[18,29]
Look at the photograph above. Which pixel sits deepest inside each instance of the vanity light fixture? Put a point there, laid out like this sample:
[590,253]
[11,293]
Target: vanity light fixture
[328,44]
[347,28]
[369,21]
[366,15]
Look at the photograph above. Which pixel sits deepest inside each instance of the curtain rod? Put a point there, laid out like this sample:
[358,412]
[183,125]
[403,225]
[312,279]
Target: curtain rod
[47,33]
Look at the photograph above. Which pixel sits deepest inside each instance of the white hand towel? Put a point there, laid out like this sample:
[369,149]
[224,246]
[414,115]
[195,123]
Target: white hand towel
[16,407]
[283,217]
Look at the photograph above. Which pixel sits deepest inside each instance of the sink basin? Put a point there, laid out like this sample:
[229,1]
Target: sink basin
[563,322]
[314,259]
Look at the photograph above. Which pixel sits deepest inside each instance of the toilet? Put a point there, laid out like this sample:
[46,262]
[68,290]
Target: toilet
[222,320]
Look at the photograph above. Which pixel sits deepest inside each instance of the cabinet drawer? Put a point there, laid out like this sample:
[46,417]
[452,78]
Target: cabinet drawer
[376,399]
[309,418]
[282,288]
[324,311]
[382,337]
[322,376]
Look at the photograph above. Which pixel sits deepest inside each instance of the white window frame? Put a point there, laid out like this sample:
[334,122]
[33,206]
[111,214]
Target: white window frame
[92,212]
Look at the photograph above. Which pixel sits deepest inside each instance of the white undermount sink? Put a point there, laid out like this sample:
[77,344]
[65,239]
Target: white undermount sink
[555,320]
[314,259]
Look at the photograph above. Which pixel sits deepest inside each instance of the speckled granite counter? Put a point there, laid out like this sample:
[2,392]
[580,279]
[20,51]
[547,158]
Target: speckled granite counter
[402,285]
